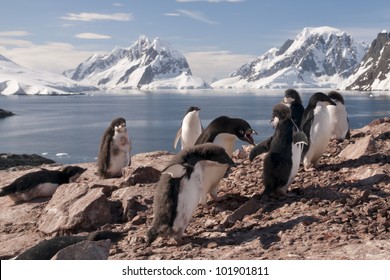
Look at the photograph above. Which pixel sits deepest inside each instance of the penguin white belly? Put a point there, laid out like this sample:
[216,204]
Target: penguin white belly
[226,141]
[339,119]
[119,154]
[190,131]
[41,190]
[214,174]
[296,150]
[190,193]
[212,177]
[320,133]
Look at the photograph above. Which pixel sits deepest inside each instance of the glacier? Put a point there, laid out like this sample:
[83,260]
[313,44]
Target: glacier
[18,80]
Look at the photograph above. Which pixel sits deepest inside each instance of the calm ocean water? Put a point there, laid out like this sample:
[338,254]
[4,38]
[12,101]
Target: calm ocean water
[68,129]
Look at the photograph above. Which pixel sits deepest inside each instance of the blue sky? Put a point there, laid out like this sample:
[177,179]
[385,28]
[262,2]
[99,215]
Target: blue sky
[216,36]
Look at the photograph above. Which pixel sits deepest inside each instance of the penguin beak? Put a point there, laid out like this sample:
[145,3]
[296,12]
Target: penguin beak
[248,136]
[332,103]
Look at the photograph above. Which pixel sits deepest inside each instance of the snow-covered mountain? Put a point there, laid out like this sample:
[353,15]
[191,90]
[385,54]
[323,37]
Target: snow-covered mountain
[17,80]
[144,65]
[373,72]
[317,57]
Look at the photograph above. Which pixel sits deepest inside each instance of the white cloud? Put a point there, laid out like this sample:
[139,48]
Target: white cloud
[211,65]
[96,16]
[92,36]
[52,57]
[15,33]
[196,16]
[172,14]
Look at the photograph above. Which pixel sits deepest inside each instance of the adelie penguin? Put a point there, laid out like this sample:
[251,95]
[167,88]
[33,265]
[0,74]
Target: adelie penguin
[317,126]
[42,183]
[190,129]
[339,117]
[282,161]
[223,131]
[114,151]
[180,187]
[294,101]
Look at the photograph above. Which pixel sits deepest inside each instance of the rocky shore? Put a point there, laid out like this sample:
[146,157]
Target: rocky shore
[341,211]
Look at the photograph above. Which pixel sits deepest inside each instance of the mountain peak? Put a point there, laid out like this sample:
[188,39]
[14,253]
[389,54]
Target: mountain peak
[140,65]
[317,57]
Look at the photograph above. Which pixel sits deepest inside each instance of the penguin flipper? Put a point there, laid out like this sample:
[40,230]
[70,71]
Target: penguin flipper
[299,137]
[177,137]
[262,147]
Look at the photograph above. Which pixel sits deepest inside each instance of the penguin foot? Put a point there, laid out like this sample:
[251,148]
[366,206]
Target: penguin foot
[308,168]
[178,239]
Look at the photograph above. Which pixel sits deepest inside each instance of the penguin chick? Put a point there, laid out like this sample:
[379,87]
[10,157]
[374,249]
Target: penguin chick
[316,124]
[190,129]
[47,249]
[339,117]
[180,187]
[294,101]
[42,183]
[114,151]
[223,131]
[278,113]
[282,161]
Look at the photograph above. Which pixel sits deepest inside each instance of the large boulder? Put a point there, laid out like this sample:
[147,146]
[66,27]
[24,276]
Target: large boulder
[73,207]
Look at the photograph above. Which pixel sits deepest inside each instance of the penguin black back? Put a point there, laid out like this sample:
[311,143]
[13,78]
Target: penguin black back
[278,162]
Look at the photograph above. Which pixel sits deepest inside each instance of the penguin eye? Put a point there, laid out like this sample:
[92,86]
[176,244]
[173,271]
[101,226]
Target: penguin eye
[241,132]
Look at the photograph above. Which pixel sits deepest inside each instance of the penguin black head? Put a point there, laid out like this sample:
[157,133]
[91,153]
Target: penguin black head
[184,162]
[192,109]
[320,97]
[291,96]
[223,124]
[336,96]
[73,172]
[280,112]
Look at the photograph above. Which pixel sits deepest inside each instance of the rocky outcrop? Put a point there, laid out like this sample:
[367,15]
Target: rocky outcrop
[5,113]
[340,211]
[14,160]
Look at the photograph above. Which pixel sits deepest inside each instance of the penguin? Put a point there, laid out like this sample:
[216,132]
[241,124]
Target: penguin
[282,161]
[42,183]
[294,101]
[339,117]
[180,188]
[223,131]
[114,151]
[316,124]
[47,249]
[190,129]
